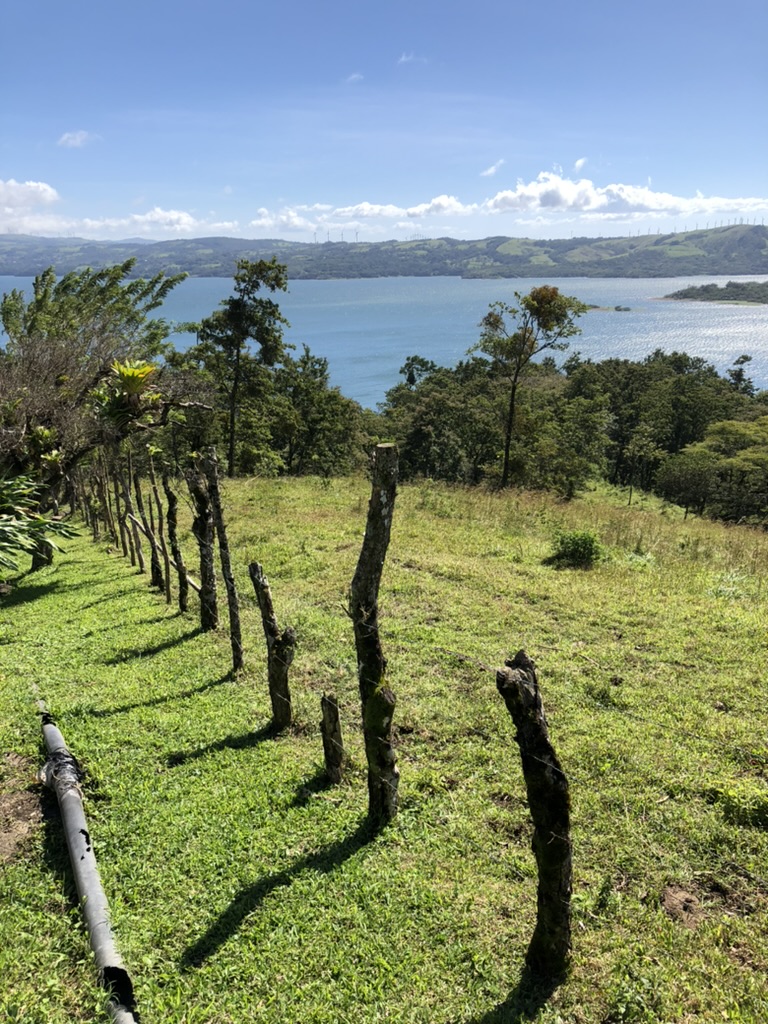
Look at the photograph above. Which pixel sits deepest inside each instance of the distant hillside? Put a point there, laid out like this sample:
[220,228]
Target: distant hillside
[739,249]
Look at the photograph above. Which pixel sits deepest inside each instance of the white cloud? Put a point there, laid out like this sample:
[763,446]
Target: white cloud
[75,140]
[490,171]
[23,195]
[370,210]
[440,205]
[354,77]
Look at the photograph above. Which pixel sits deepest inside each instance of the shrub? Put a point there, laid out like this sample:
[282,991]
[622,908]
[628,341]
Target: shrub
[578,549]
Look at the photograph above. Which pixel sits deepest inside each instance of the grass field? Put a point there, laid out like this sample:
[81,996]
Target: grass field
[243,888]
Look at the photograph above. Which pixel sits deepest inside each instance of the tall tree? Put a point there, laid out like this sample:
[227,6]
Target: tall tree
[245,316]
[512,335]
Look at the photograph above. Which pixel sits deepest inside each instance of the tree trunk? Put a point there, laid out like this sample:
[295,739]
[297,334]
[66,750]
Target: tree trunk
[203,530]
[281,647]
[42,555]
[549,803]
[377,700]
[333,742]
[156,572]
[233,411]
[120,515]
[173,537]
[509,428]
[102,483]
[161,531]
[130,511]
[211,468]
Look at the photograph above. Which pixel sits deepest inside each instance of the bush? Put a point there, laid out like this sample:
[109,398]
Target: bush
[577,549]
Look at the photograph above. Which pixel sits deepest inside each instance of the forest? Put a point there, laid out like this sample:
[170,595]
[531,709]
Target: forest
[733,291]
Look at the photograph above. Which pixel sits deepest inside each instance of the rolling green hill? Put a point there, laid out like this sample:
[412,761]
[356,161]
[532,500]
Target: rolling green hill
[738,249]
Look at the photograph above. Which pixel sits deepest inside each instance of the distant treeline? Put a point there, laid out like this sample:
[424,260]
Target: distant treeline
[737,249]
[734,291]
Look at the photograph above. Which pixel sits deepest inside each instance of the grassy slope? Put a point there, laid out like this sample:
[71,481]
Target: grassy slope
[242,889]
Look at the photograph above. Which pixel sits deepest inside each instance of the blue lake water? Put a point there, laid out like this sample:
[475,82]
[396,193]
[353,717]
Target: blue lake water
[366,328]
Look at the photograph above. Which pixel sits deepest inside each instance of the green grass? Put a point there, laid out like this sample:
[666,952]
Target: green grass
[242,888]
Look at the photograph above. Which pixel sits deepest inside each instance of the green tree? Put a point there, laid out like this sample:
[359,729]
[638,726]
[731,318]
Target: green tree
[512,335]
[59,364]
[225,335]
[314,427]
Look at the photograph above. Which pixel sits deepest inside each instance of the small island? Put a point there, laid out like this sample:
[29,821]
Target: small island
[753,292]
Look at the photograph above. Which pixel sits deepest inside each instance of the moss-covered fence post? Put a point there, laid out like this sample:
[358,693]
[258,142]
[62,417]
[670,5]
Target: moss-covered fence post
[549,803]
[210,466]
[376,698]
[203,530]
[281,647]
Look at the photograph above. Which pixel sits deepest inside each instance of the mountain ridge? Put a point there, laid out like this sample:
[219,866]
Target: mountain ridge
[733,250]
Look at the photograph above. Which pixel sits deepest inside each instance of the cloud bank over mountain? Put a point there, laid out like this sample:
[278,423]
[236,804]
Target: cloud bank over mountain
[550,205]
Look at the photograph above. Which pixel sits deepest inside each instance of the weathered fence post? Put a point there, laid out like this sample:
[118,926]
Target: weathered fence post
[210,465]
[203,529]
[281,647]
[333,742]
[156,571]
[549,802]
[120,516]
[160,528]
[125,483]
[173,537]
[376,698]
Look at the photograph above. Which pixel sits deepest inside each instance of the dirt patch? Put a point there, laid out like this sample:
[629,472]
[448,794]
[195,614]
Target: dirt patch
[20,812]
[682,906]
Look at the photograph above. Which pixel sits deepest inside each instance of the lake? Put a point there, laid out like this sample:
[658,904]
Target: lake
[366,328]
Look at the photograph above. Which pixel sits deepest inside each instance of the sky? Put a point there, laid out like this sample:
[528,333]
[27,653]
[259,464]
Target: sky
[361,121]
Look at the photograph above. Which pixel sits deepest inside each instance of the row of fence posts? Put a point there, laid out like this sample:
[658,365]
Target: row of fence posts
[547,785]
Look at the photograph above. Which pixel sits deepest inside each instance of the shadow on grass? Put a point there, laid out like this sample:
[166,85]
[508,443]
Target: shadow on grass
[114,595]
[531,994]
[147,652]
[250,899]
[306,790]
[21,593]
[237,741]
[153,702]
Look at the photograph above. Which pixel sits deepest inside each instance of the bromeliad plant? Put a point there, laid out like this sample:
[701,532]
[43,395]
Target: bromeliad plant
[127,394]
[22,527]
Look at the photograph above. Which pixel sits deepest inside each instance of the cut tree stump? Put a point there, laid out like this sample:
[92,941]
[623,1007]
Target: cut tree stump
[333,741]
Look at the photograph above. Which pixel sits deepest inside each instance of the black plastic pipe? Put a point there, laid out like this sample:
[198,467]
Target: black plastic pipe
[62,773]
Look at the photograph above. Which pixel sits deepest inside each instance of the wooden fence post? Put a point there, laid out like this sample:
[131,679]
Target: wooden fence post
[281,647]
[333,742]
[155,568]
[125,483]
[376,698]
[160,529]
[173,537]
[210,465]
[203,529]
[549,802]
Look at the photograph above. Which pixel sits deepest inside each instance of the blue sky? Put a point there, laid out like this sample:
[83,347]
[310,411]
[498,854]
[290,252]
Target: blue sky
[361,121]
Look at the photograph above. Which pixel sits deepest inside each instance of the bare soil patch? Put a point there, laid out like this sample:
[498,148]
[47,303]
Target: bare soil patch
[20,812]
[682,906]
